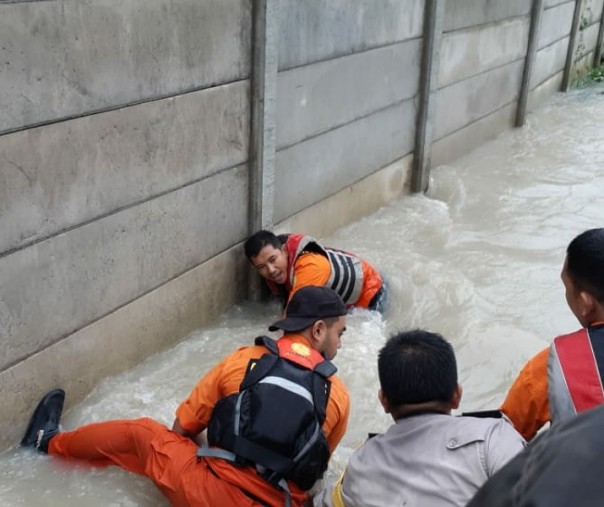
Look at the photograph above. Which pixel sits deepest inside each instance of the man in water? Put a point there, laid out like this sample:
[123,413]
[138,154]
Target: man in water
[566,378]
[274,411]
[428,457]
[290,261]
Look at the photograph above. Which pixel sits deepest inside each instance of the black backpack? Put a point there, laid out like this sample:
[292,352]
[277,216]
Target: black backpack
[274,422]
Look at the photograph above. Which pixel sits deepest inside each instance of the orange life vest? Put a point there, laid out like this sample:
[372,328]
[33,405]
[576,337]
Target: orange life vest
[346,269]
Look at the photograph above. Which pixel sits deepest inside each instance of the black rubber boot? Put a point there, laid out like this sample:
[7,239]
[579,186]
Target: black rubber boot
[44,424]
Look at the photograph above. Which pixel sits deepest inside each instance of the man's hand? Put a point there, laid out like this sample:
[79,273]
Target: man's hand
[200,438]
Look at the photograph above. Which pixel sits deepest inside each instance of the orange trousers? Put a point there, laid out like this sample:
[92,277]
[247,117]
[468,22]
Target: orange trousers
[146,447]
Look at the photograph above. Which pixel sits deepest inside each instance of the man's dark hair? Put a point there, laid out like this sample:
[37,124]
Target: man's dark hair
[416,367]
[585,262]
[258,241]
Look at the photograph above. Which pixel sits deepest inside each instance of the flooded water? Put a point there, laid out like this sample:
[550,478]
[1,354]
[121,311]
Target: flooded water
[477,259]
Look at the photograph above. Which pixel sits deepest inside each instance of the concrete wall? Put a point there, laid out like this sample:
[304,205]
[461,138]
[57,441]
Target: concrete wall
[589,25]
[482,60]
[135,133]
[552,48]
[345,89]
[123,184]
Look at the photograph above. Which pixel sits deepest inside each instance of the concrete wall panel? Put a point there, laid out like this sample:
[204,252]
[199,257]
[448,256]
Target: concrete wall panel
[545,90]
[316,98]
[549,61]
[143,327]
[353,202]
[552,3]
[57,286]
[466,52]
[57,176]
[592,11]
[70,57]
[555,24]
[476,98]
[310,171]
[315,30]
[582,65]
[464,13]
[588,39]
[464,140]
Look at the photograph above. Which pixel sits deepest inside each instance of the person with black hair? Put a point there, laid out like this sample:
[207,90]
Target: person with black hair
[566,378]
[274,413]
[290,261]
[428,457]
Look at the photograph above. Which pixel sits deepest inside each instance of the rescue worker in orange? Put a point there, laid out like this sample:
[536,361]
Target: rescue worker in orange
[274,412]
[290,261]
[566,378]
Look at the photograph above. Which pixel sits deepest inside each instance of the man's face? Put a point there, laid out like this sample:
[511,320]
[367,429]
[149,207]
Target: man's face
[333,337]
[573,298]
[271,263]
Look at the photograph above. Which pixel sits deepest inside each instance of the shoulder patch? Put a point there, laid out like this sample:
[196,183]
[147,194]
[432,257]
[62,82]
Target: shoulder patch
[301,349]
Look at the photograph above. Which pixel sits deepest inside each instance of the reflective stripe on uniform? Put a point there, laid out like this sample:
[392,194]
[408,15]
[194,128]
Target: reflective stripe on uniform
[346,276]
[289,386]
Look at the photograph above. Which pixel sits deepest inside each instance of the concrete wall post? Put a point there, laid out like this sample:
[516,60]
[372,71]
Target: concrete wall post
[428,86]
[531,53]
[572,46]
[263,105]
[600,39]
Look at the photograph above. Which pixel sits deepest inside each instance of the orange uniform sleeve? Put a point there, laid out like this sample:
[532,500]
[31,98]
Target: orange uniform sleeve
[224,379]
[310,269]
[337,412]
[527,402]
[372,283]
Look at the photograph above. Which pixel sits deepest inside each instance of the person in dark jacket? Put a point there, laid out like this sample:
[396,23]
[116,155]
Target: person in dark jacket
[561,467]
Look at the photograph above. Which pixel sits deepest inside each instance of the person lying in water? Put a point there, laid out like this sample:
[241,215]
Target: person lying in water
[290,261]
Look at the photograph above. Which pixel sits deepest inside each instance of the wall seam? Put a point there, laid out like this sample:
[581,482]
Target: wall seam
[346,123]
[116,107]
[115,211]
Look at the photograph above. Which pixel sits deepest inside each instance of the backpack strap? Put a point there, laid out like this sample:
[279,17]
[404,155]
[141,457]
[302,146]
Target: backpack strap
[326,369]
[263,365]
[269,343]
[214,452]
[321,387]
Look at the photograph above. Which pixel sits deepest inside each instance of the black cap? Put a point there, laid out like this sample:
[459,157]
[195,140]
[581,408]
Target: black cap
[308,305]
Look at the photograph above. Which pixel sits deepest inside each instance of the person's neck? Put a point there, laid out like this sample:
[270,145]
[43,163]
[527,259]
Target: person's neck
[428,407]
[298,336]
[597,315]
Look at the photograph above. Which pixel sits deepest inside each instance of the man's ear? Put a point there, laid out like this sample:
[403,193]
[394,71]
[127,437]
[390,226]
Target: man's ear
[384,401]
[456,400]
[319,328]
[317,334]
[587,305]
